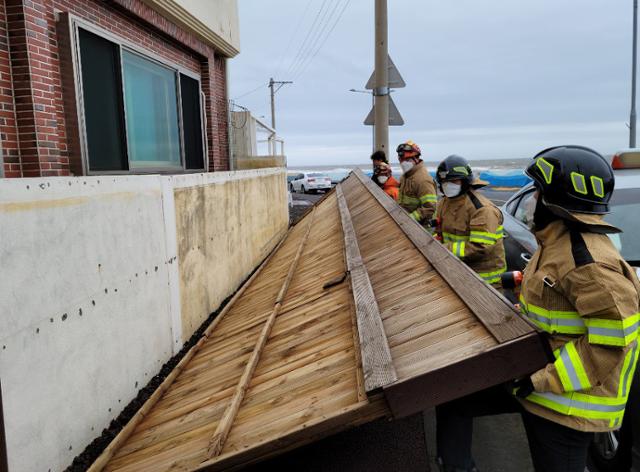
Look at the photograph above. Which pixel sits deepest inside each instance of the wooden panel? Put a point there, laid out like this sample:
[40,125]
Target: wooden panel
[375,354]
[305,433]
[491,308]
[502,363]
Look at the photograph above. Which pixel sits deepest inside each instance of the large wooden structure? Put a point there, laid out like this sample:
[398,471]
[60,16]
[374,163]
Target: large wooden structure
[358,314]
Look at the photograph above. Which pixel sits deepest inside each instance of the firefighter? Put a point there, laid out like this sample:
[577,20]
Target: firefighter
[469,224]
[382,176]
[585,297]
[417,193]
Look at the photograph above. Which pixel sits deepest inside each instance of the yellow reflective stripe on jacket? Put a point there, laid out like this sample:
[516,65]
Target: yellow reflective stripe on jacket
[492,277]
[571,371]
[484,237]
[407,200]
[428,198]
[450,237]
[458,249]
[613,332]
[585,406]
[553,321]
[592,407]
[600,331]
[415,215]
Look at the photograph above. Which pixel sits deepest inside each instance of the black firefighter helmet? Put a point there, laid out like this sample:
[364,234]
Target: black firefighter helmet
[453,168]
[573,179]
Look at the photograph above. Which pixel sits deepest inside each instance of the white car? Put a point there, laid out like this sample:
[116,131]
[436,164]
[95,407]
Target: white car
[310,182]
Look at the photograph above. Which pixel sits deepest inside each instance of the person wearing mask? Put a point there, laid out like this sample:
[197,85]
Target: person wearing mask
[578,289]
[417,194]
[377,158]
[385,180]
[468,223]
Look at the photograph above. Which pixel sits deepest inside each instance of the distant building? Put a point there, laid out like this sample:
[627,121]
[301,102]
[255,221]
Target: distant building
[115,86]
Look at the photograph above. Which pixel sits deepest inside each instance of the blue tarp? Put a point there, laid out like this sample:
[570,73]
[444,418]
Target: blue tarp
[505,178]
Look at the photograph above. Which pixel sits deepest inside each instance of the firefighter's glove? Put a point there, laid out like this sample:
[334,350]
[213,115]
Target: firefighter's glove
[523,387]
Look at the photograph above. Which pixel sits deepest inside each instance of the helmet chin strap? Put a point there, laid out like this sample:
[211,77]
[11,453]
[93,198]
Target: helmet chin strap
[543,215]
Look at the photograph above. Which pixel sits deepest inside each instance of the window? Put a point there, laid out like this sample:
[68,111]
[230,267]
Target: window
[521,211]
[140,115]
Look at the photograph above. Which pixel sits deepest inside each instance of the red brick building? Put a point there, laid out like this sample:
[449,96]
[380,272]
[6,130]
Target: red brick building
[114,86]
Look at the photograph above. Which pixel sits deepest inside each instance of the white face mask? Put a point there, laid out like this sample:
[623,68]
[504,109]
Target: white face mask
[383,179]
[406,166]
[450,189]
[529,211]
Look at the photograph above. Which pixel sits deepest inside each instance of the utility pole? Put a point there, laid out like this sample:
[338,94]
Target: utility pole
[632,119]
[274,90]
[381,88]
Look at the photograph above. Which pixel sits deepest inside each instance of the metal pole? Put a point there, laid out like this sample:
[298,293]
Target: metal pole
[273,104]
[373,128]
[381,90]
[632,119]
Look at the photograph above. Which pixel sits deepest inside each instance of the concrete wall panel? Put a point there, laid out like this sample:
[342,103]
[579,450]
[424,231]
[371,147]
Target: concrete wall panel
[101,280]
[231,226]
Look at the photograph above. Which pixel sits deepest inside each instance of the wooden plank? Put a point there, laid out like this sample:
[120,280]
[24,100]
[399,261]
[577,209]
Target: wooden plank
[494,311]
[305,433]
[126,431]
[377,365]
[224,426]
[507,361]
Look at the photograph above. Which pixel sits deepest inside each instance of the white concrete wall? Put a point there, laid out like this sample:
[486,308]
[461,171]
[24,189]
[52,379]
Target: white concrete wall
[214,21]
[221,16]
[90,300]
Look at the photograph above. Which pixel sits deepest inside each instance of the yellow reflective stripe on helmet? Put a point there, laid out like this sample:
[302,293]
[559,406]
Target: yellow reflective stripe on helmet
[492,277]
[613,332]
[428,198]
[571,371]
[546,168]
[458,249]
[415,215]
[553,321]
[450,237]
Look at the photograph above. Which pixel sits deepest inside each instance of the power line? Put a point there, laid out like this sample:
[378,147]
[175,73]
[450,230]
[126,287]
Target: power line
[306,39]
[295,32]
[250,91]
[326,20]
[302,71]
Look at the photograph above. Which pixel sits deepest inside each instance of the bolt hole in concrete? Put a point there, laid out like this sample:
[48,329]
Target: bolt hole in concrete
[64,317]
[93,302]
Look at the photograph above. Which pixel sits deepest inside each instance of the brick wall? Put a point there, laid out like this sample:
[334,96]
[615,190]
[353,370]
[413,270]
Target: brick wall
[8,135]
[29,56]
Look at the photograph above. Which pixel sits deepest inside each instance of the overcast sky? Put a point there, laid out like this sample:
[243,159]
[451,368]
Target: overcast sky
[485,79]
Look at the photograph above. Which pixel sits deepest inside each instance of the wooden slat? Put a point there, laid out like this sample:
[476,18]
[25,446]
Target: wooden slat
[504,362]
[493,310]
[224,426]
[377,364]
[122,436]
[305,433]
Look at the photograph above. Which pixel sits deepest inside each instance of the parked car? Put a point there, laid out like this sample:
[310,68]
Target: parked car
[609,452]
[310,182]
